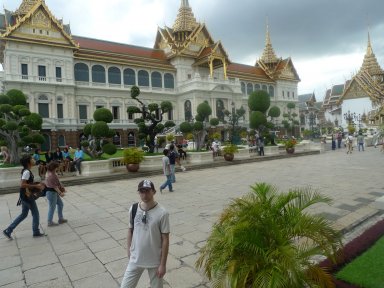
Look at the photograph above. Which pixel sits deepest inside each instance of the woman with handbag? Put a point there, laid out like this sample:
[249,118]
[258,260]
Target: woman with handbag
[28,190]
[55,190]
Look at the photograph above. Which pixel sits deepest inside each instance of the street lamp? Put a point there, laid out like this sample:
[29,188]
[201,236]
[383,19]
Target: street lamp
[349,117]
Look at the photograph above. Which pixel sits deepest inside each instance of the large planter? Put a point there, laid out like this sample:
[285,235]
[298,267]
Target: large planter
[132,167]
[229,156]
[290,150]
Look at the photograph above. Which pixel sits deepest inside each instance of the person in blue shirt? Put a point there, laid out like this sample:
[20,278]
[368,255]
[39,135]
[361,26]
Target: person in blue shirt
[79,156]
[41,164]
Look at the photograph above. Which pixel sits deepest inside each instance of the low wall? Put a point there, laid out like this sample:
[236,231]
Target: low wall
[10,177]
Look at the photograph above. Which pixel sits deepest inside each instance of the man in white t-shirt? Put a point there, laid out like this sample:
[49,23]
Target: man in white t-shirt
[148,239]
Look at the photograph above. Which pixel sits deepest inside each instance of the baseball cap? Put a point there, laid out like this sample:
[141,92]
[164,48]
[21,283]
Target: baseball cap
[146,184]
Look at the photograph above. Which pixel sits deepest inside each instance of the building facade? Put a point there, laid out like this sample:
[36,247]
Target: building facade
[67,77]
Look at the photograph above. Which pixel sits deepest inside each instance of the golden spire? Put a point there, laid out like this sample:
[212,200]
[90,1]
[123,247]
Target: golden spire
[26,6]
[269,55]
[185,20]
[370,63]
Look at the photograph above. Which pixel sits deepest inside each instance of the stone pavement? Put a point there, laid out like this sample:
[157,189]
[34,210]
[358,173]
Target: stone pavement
[90,250]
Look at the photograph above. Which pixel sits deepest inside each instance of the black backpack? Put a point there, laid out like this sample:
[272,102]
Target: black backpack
[133,214]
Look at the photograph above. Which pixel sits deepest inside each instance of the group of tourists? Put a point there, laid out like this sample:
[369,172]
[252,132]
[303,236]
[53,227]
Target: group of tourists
[30,191]
[66,161]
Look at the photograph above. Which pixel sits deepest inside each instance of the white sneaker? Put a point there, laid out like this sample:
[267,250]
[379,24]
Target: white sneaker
[183,168]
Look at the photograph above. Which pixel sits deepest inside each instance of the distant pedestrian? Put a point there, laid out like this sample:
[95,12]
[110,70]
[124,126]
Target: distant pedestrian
[172,155]
[167,172]
[5,153]
[260,145]
[360,141]
[148,239]
[79,157]
[55,190]
[27,199]
[348,142]
[339,139]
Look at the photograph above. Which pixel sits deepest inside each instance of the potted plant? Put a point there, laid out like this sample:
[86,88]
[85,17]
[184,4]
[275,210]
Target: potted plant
[132,158]
[290,146]
[229,151]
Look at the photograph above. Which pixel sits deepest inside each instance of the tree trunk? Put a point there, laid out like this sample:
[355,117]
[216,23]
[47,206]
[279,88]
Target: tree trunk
[14,151]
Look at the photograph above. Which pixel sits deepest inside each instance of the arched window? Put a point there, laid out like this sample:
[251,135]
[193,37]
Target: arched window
[143,78]
[81,72]
[98,74]
[265,88]
[257,87]
[61,141]
[129,77]
[169,81]
[157,80]
[187,110]
[114,75]
[271,91]
[249,88]
[243,87]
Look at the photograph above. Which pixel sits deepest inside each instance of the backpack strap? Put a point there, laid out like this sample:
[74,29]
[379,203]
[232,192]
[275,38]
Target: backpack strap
[133,214]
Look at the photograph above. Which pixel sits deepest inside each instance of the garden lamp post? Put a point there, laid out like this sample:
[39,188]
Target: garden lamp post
[349,117]
[312,121]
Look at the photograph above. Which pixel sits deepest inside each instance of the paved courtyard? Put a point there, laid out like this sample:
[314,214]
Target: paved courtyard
[90,250]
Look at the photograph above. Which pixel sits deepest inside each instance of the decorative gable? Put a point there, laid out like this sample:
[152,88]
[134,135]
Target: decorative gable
[354,91]
[39,25]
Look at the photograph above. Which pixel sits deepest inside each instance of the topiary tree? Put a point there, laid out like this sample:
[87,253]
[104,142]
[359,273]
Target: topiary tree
[18,126]
[290,118]
[98,133]
[198,128]
[149,123]
[233,121]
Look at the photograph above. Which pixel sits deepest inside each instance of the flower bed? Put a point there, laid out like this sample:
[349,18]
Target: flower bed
[352,250]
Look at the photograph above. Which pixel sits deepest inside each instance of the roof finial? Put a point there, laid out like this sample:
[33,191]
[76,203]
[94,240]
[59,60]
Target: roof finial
[185,20]
[370,63]
[269,55]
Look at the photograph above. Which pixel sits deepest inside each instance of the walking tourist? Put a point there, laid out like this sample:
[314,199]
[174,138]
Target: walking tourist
[348,142]
[55,190]
[148,239]
[360,141]
[260,144]
[172,155]
[167,172]
[27,199]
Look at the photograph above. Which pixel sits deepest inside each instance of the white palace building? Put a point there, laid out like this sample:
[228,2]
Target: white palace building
[67,77]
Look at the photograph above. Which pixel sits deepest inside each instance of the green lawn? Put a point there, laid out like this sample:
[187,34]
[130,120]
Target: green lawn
[367,270]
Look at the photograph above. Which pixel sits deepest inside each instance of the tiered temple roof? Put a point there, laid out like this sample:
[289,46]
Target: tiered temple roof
[370,63]
[185,20]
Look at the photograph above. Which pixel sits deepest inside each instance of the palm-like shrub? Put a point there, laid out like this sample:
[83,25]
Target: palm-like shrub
[267,240]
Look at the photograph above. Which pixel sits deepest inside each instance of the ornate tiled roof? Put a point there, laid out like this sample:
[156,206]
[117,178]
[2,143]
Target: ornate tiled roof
[26,6]
[370,63]
[185,20]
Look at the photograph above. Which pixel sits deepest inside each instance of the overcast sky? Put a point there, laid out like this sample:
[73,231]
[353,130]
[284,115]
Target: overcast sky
[326,39]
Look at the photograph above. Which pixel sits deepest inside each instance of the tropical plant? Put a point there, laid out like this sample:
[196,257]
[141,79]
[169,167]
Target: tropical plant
[151,117]
[132,155]
[18,126]
[230,149]
[268,239]
[233,121]
[290,143]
